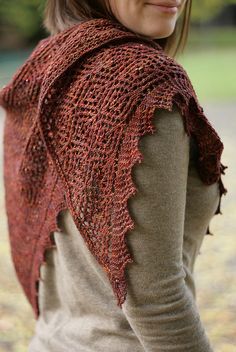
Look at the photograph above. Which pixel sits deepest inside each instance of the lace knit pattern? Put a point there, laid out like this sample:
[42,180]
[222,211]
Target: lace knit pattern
[76,110]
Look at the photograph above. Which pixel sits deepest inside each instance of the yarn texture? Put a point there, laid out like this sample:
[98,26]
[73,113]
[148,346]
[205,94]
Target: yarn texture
[75,111]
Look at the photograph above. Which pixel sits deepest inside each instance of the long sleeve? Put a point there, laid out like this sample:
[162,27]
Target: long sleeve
[159,306]
[78,309]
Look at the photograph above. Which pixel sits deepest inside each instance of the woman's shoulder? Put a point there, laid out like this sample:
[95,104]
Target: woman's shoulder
[138,68]
[141,56]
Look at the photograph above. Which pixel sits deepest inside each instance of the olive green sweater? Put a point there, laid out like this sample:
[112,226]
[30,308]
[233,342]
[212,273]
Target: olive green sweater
[171,210]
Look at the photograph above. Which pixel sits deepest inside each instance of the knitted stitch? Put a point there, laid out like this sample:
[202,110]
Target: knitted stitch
[76,110]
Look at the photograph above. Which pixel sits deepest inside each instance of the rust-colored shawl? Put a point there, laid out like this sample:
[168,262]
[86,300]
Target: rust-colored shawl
[75,112]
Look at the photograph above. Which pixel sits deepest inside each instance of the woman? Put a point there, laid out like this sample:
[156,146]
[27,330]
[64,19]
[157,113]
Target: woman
[98,98]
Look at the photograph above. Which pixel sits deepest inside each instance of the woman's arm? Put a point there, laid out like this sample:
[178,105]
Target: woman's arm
[159,307]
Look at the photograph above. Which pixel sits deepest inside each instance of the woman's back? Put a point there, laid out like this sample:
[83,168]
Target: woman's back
[172,210]
[121,274]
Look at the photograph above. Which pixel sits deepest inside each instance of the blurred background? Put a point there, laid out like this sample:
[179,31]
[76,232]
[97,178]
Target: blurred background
[209,59]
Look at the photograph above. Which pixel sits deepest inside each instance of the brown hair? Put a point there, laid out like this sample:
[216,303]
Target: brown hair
[61,14]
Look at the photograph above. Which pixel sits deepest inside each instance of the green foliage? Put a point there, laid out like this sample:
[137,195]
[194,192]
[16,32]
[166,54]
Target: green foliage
[24,16]
[217,37]
[203,10]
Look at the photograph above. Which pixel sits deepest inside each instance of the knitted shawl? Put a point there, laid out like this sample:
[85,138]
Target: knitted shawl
[75,111]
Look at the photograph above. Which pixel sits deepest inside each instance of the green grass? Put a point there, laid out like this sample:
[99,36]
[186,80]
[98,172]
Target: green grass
[212,72]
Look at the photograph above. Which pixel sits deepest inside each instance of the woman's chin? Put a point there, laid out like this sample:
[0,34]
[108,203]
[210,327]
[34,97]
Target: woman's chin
[158,34]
